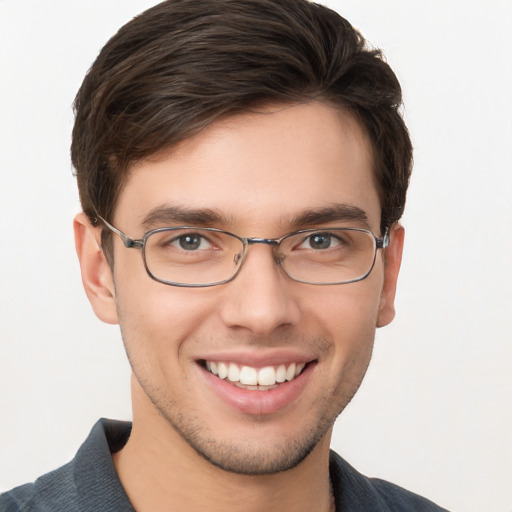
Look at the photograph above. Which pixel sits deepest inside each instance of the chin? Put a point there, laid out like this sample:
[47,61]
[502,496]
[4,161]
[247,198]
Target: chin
[252,457]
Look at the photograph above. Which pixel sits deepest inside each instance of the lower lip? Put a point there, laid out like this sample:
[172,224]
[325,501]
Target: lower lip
[259,402]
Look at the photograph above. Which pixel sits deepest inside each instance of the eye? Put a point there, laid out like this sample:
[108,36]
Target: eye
[320,241]
[191,242]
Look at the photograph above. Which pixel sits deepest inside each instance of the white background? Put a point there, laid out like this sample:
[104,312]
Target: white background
[435,412]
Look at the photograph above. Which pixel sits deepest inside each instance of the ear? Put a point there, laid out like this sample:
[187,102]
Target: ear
[96,273]
[393,259]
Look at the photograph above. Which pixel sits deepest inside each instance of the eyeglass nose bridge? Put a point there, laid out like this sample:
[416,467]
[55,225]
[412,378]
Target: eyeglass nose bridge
[240,258]
[268,241]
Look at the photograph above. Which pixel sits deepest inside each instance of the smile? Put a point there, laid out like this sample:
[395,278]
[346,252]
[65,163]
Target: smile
[248,377]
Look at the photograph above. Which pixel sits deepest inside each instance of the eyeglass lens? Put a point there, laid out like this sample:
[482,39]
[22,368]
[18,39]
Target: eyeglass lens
[203,257]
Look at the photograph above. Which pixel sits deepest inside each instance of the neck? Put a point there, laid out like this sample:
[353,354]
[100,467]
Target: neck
[160,471]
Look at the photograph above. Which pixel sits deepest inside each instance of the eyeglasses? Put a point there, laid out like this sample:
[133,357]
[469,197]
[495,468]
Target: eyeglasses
[200,257]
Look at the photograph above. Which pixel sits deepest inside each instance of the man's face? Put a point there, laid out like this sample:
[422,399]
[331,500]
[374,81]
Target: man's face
[257,173]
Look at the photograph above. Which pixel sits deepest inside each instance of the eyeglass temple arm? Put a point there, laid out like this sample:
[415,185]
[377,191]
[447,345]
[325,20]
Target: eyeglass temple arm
[127,241]
[383,242]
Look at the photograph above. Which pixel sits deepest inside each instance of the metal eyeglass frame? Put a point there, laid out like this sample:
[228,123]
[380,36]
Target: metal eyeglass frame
[140,243]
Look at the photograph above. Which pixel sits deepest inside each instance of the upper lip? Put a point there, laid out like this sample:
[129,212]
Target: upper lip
[259,359]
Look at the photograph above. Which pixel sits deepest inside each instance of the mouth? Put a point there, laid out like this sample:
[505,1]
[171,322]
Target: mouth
[258,385]
[252,378]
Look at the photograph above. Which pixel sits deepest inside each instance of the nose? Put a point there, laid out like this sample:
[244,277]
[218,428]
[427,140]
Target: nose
[260,299]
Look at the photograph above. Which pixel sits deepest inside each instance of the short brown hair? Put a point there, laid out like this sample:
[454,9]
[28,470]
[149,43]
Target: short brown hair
[183,64]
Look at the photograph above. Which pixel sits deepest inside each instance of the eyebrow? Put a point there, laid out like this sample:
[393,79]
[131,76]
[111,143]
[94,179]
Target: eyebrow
[334,213]
[169,215]
[204,217]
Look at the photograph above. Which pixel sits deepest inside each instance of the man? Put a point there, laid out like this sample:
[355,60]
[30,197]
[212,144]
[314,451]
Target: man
[242,167]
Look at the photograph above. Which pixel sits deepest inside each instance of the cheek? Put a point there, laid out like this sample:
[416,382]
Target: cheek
[348,317]
[348,309]
[163,325]
[155,318]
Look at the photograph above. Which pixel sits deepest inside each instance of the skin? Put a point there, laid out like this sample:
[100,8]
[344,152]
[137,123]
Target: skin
[189,449]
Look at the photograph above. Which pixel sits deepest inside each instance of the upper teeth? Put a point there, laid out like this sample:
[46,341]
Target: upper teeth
[249,376]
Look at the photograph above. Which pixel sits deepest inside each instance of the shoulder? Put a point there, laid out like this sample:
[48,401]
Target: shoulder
[53,491]
[354,491]
[88,483]
[18,499]
[398,498]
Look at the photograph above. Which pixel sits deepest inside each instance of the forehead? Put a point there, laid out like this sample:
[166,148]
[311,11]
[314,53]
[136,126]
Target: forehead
[259,170]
